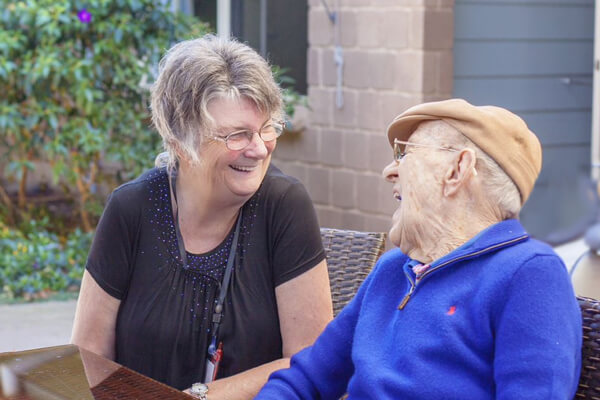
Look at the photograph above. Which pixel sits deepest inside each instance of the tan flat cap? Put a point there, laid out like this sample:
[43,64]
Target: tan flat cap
[499,133]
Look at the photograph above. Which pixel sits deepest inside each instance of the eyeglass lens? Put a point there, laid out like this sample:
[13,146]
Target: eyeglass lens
[239,140]
[398,153]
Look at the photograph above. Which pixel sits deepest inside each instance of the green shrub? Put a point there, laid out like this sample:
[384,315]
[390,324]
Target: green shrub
[35,261]
[73,78]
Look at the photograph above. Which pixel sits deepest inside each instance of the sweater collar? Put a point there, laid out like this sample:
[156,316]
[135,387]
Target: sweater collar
[502,234]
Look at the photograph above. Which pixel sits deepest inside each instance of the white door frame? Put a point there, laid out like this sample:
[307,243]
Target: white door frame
[224,18]
[596,100]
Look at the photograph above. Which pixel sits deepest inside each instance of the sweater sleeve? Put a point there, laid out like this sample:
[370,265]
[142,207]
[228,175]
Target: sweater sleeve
[322,370]
[538,336]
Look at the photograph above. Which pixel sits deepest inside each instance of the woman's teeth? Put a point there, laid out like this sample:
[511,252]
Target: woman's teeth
[242,168]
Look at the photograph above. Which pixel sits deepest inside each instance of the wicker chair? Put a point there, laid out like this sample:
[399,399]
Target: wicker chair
[350,257]
[589,381]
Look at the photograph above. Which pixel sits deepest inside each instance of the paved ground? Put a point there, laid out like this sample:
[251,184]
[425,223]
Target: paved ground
[29,326]
[33,325]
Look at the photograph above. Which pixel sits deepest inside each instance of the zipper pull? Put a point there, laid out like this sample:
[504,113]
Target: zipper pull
[404,301]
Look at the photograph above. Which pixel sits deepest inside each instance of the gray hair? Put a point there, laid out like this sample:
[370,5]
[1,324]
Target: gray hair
[194,72]
[500,188]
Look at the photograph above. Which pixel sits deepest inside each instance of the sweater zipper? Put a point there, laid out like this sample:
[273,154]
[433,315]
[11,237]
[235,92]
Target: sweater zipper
[413,284]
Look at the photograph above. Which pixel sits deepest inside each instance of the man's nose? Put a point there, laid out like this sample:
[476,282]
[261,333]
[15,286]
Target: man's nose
[390,172]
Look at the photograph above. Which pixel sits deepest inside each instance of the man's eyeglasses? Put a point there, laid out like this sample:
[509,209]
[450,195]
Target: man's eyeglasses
[399,153]
[239,140]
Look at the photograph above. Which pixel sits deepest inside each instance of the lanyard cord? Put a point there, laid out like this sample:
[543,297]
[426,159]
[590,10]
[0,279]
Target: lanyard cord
[218,312]
[180,244]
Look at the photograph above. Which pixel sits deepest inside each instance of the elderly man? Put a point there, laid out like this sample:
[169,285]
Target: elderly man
[469,306]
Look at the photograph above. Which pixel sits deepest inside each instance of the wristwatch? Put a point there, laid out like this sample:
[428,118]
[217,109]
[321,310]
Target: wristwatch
[199,390]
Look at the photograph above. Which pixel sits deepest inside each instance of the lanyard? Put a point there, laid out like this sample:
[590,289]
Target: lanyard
[218,311]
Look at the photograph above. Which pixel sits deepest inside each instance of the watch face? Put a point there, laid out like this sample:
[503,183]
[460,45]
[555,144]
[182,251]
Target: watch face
[199,389]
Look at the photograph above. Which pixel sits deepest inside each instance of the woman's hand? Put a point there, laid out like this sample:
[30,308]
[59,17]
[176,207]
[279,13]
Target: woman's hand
[305,308]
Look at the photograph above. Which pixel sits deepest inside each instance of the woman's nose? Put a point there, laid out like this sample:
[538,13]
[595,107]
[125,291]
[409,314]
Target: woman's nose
[257,148]
[390,172]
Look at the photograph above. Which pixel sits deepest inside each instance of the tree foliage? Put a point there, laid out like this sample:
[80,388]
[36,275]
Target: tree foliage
[74,79]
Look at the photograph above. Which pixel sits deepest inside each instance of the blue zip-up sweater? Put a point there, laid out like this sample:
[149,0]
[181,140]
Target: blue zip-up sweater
[495,319]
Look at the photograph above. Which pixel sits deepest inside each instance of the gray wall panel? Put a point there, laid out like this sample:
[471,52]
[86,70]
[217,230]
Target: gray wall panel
[481,21]
[557,3]
[494,58]
[560,128]
[527,94]
[564,201]
[535,58]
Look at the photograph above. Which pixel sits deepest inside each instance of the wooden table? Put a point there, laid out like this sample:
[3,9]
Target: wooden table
[69,372]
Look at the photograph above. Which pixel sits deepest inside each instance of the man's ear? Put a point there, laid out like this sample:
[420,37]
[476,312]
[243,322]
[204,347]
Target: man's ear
[459,172]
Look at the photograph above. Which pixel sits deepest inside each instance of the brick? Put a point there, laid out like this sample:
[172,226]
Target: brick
[286,149]
[368,193]
[409,71]
[354,221]
[387,203]
[313,62]
[347,21]
[434,97]
[331,148]
[321,103]
[367,27]
[381,70]
[354,154]
[430,74]
[379,152]
[297,170]
[346,116]
[430,4]
[394,104]
[318,184]
[395,3]
[356,3]
[376,223]
[328,68]
[356,69]
[320,29]
[369,117]
[395,29]
[439,30]
[343,189]
[417,29]
[308,145]
[446,74]
[329,217]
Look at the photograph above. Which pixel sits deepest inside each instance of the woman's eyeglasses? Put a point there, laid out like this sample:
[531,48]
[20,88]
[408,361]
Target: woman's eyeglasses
[239,140]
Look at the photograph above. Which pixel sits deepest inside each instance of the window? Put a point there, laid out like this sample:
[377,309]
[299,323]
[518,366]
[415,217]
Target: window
[276,29]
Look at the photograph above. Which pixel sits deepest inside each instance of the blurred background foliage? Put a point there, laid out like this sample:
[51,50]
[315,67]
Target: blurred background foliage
[74,83]
[74,79]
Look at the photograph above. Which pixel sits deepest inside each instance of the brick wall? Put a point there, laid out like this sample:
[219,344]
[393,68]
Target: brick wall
[397,53]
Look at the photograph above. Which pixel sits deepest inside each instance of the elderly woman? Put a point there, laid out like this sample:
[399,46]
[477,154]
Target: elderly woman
[469,306]
[212,267]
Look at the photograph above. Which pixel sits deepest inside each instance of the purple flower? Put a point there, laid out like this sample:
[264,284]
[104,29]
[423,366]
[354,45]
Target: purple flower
[84,16]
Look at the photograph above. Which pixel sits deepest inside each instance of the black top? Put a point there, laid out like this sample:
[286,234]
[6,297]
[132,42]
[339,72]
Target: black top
[163,324]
